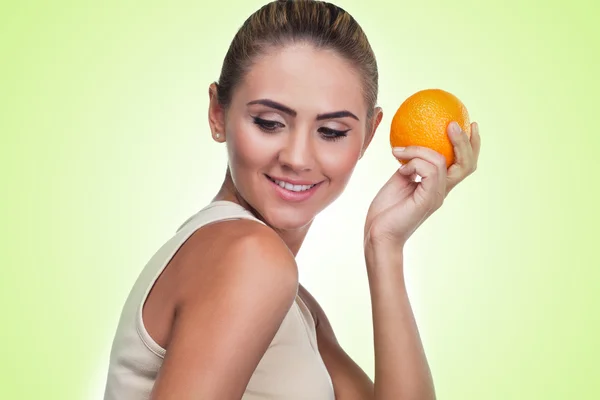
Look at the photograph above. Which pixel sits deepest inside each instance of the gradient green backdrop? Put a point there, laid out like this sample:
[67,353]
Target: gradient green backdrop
[105,150]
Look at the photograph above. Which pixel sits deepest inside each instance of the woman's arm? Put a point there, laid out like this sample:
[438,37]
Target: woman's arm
[401,368]
[400,207]
[228,315]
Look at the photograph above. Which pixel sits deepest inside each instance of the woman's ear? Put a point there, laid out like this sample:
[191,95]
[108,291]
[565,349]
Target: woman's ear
[216,114]
[371,129]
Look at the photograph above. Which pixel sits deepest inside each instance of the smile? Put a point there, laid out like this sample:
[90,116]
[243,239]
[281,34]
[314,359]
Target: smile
[292,187]
[296,191]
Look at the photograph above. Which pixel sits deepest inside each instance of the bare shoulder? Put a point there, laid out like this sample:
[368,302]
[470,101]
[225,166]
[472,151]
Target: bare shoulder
[233,249]
[237,281]
[242,260]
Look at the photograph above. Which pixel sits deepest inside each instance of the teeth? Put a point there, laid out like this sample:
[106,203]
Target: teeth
[293,188]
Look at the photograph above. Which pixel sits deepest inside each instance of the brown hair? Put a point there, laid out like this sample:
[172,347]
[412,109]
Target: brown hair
[277,23]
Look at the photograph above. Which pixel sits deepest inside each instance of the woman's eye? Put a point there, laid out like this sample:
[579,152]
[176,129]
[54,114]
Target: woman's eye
[271,126]
[267,125]
[333,134]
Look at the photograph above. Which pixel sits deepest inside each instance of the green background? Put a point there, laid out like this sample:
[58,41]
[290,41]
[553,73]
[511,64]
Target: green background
[105,150]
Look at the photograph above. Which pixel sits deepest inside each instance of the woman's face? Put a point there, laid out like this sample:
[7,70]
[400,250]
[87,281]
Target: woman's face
[295,129]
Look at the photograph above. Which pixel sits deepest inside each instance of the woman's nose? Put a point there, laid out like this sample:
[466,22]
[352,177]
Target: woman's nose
[298,153]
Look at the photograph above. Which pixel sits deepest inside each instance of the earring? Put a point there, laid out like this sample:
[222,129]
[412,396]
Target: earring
[217,135]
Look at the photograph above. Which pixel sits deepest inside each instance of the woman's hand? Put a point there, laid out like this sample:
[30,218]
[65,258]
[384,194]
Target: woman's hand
[404,203]
[466,154]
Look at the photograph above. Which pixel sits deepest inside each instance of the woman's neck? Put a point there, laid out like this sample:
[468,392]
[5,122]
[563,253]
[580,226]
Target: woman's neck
[292,238]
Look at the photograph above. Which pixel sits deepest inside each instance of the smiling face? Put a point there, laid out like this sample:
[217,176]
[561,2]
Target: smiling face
[295,129]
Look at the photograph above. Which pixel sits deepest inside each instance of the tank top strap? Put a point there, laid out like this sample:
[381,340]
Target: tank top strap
[217,210]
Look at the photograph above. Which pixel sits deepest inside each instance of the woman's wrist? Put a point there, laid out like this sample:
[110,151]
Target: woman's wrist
[383,253]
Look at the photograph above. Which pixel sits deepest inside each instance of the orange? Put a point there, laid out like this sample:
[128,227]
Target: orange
[423,119]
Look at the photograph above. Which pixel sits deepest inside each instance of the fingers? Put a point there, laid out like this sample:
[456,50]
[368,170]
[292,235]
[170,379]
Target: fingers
[425,153]
[418,166]
[463,150]
[466,152]
[431,167]
[475,141]
[431,174]
[422,161]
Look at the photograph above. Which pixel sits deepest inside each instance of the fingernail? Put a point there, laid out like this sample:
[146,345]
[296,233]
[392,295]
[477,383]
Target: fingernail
[398,149]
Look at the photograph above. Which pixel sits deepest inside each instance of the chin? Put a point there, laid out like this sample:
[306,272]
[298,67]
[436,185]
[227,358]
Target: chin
[288,218]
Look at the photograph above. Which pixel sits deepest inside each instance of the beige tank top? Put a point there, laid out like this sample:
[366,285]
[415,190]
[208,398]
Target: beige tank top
[291,368]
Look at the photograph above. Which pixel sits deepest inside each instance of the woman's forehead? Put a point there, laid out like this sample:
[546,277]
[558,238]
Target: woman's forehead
[301,75]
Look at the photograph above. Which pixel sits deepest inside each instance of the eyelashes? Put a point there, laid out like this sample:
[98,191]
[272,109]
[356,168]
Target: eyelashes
[272,126]
[267,126]
[333,134]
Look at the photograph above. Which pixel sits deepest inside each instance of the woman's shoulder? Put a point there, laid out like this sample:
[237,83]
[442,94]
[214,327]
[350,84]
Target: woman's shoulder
[232,238]
[236,282]
[226,250]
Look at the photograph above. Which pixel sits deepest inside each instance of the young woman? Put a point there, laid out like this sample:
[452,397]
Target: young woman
[218,312]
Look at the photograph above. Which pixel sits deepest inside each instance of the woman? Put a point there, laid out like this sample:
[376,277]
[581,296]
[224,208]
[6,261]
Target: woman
[218,312]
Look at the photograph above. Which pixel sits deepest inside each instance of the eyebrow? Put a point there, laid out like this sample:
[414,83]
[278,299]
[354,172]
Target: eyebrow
[289,111]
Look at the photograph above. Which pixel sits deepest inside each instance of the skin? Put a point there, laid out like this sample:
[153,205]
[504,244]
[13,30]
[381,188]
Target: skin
[208,299]
[298,148]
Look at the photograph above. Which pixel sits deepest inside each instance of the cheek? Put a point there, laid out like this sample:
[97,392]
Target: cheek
[250,153]
[339,161]
[247,148]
